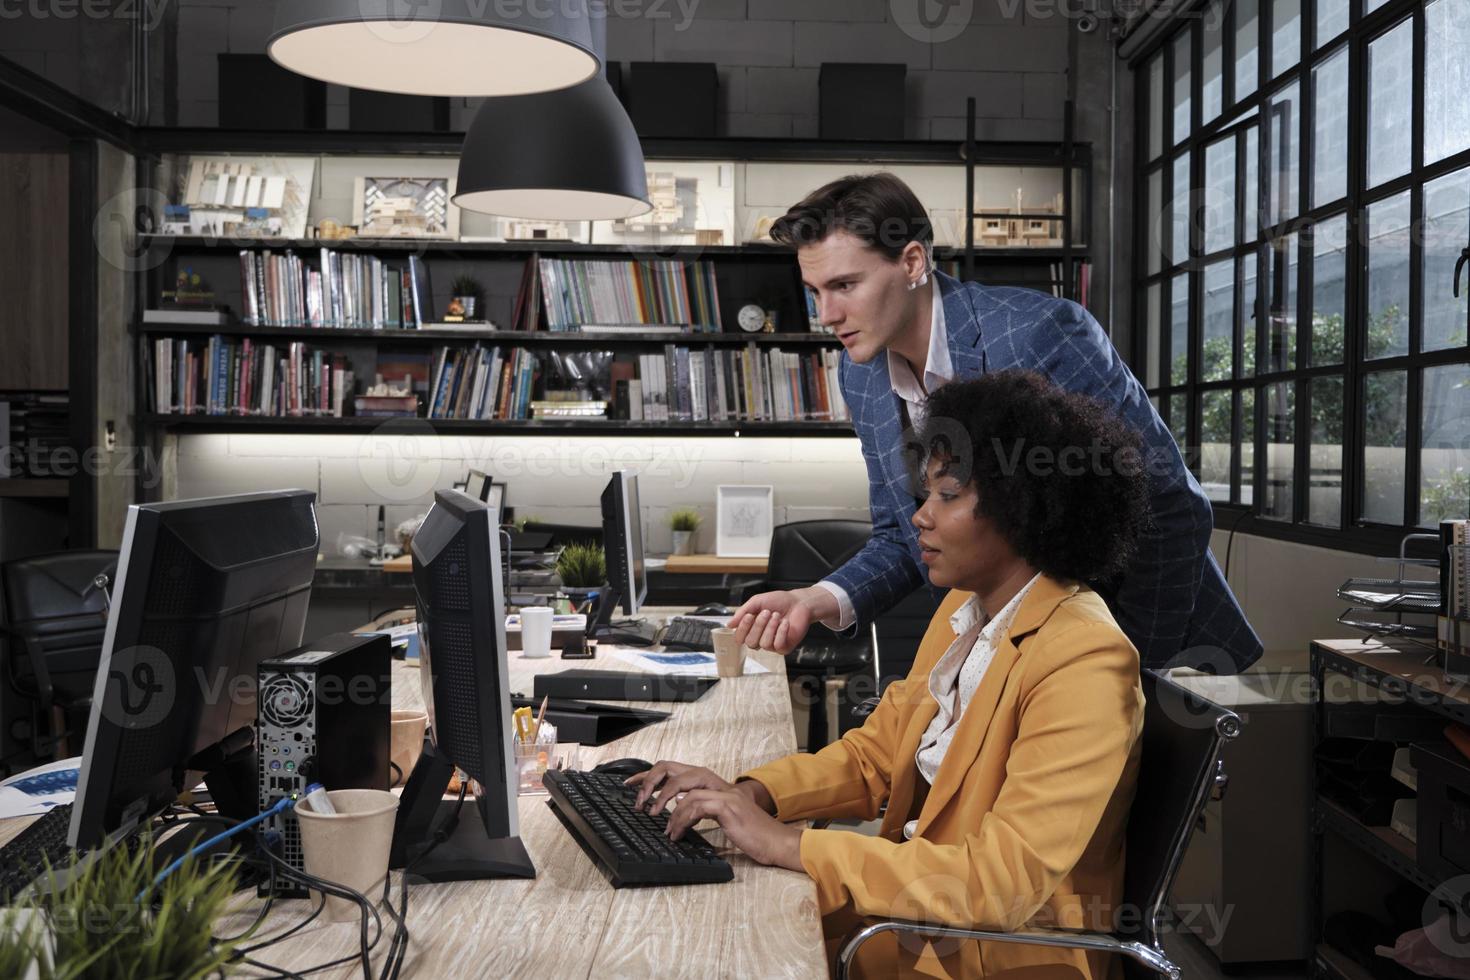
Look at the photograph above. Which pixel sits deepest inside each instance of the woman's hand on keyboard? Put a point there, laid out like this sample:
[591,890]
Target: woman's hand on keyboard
[666,780]
[747,826]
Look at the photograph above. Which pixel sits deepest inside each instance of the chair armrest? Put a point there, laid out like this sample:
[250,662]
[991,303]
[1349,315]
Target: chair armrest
[742,590]
[865,707]
[1148,956]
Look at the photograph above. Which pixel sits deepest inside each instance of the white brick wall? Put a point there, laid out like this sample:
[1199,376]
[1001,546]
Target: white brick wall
[554,479]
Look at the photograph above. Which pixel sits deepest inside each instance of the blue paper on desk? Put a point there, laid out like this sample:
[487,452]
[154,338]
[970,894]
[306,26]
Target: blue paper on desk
[693,663]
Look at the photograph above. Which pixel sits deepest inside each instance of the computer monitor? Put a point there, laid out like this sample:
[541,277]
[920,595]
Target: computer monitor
[622,538]
[205,590]
[466,685]
[481,487]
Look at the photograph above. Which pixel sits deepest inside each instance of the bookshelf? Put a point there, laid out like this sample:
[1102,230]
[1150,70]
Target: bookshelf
[748,179]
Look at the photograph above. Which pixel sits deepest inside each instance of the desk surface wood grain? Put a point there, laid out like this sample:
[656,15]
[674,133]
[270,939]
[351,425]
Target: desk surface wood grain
[568,921]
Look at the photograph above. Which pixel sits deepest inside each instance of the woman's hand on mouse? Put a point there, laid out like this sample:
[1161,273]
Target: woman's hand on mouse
[666,780]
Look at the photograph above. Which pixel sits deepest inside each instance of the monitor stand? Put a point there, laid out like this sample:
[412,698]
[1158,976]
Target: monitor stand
[599,623]
[468,853]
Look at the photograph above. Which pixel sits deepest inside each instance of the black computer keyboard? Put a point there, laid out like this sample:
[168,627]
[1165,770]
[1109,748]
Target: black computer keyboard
[628,845]
[40,845]
[688,634]
[631,633]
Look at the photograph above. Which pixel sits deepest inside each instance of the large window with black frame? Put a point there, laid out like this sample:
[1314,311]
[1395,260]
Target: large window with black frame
[1305,184]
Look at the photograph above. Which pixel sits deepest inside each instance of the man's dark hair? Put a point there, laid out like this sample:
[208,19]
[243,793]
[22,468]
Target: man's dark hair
[879,209]
[1060,475]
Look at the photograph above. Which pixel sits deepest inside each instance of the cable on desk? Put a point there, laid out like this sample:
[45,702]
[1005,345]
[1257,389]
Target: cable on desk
[283,804]
[264,910]
[271,971]
[398,947]
[341,891]
[320,904]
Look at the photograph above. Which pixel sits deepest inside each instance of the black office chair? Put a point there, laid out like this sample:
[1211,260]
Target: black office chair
[565,534]
[55,619]
[804,552]
[1183,735]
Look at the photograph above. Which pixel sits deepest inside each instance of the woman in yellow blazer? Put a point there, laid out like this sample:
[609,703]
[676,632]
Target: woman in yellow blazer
[1008,757]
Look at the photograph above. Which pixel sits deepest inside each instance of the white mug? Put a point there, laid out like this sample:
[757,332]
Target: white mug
[536,632]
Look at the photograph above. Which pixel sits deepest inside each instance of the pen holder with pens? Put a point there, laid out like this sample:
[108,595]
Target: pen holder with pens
[532,759]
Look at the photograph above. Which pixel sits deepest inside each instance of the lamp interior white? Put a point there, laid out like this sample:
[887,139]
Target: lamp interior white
[423,58]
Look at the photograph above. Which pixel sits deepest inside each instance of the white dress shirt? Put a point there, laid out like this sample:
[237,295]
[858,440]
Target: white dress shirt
[938,370]
[957,676]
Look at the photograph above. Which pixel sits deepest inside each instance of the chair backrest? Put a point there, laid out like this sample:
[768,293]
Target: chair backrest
[805,551]
[53,607]
[565,534]
[1183,735]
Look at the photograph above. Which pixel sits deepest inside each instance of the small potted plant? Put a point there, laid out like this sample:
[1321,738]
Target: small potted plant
[467,292]
[582,569]
[684,523]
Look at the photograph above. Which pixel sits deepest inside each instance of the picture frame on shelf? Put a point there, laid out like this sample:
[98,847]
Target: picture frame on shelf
[405,207]
[744,520]
[244,196]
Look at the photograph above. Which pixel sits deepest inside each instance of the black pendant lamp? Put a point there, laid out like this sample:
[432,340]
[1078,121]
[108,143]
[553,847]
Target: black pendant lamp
[568,155]
[437,47]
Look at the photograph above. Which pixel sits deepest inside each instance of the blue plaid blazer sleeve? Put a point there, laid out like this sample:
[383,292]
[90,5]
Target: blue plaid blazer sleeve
[886,570]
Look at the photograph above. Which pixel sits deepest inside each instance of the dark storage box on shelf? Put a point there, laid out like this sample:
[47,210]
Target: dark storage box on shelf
[1444,809]
[671,99]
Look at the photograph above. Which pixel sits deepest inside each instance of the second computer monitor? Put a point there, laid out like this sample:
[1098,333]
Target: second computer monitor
[622,535]
[481,487]
[466,688]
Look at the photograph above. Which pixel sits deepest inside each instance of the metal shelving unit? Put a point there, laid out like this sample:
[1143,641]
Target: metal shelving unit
[1414,700]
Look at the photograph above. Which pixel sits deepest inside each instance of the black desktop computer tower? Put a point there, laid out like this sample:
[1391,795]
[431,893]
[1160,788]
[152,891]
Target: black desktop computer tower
[322,717]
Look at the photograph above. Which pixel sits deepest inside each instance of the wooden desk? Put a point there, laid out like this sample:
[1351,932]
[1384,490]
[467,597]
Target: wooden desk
[568,921]
[714,565]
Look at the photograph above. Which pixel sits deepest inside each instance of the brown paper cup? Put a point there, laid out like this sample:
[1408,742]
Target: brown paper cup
[729,654]
[407,740]
[349,847]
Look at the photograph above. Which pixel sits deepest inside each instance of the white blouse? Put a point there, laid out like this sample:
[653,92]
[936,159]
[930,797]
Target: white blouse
[957,675]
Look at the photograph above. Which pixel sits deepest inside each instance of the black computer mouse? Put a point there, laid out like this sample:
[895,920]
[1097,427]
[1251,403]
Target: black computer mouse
[624,767]
[713,609]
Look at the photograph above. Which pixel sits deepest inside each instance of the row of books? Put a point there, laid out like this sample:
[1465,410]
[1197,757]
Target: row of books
[33,426]
[483,383]
[346,289]
[696,385]
[220,376]
[587,293]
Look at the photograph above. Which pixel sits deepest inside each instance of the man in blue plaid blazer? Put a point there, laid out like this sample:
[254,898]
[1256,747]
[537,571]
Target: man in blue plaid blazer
[864,245]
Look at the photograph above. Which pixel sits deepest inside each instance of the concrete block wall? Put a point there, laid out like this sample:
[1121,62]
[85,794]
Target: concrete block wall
[557,479]
[768,52]
[82,46]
